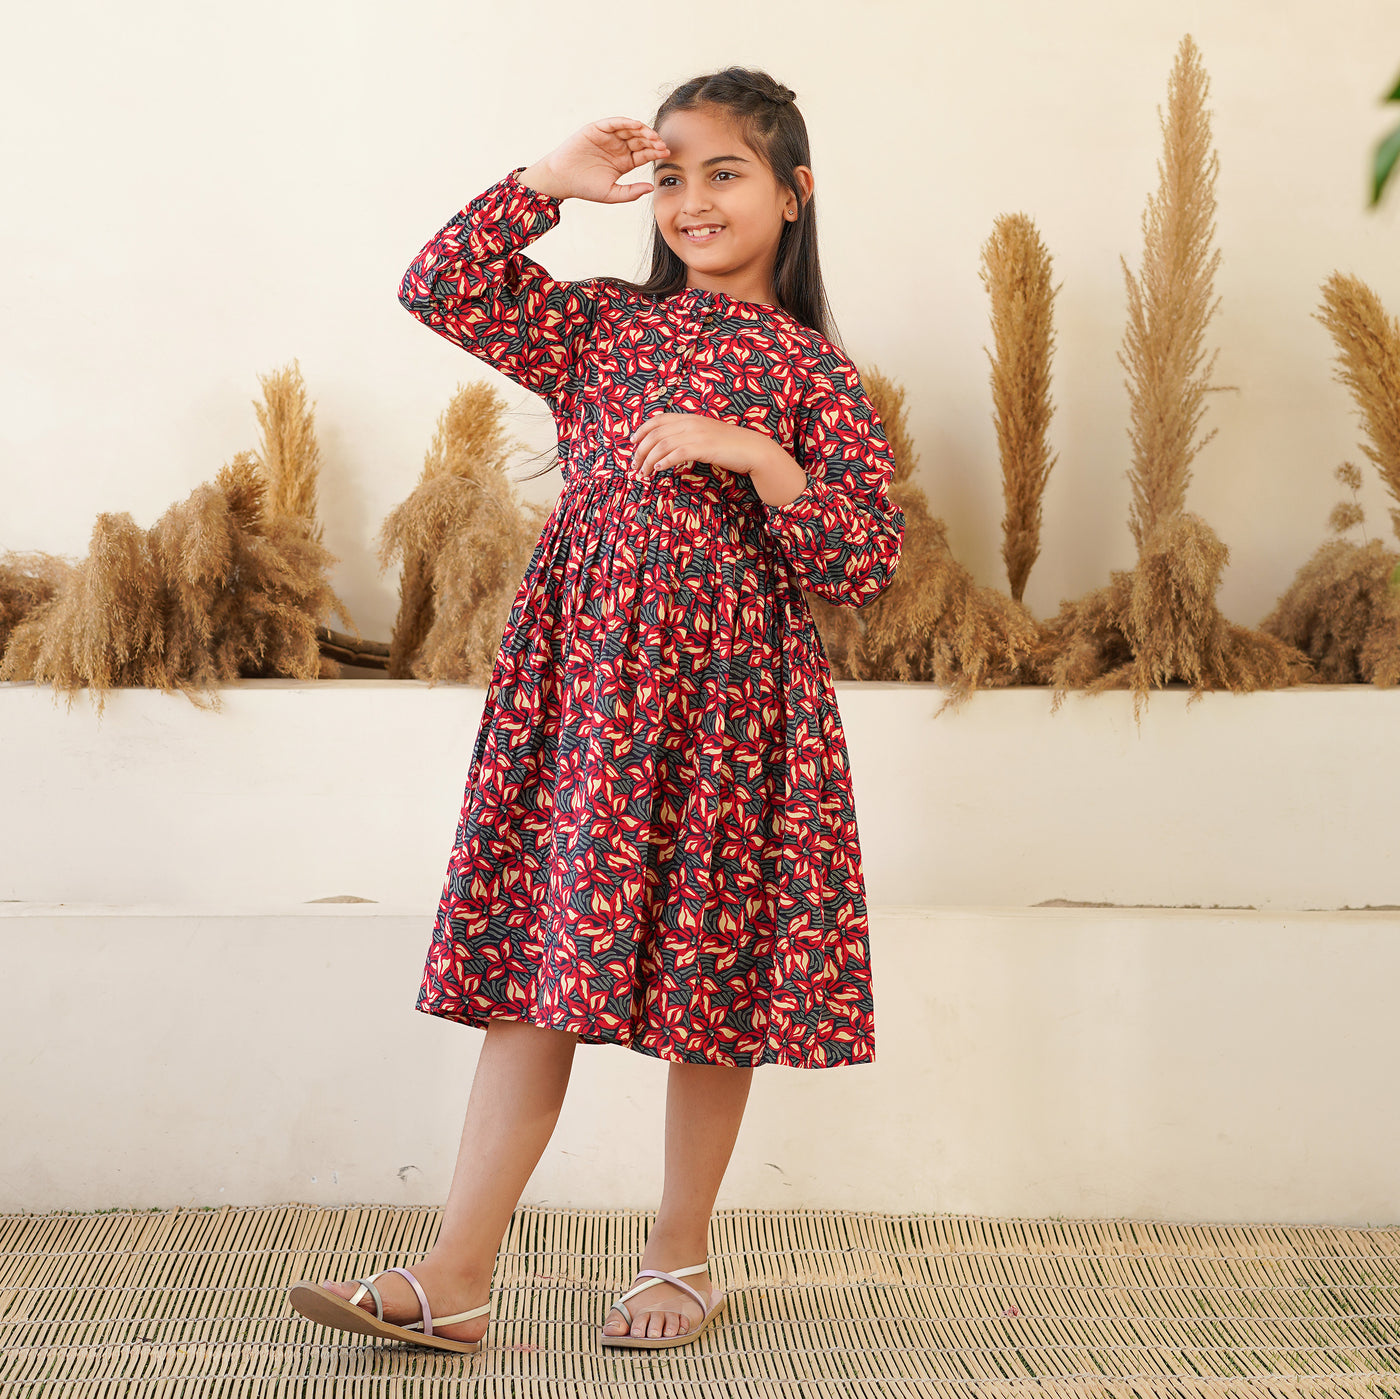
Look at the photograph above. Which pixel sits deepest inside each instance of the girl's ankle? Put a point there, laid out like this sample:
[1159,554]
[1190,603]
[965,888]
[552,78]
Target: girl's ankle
[464,1274]
[684,1246]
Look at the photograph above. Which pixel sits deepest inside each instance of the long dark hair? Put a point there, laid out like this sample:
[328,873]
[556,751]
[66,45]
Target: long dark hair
[766,114]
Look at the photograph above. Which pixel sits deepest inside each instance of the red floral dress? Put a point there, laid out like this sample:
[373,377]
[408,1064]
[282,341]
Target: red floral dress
[657,846]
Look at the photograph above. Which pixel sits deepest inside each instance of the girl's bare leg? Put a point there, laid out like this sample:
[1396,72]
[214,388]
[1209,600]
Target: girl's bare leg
[704,1107]
[517,1091]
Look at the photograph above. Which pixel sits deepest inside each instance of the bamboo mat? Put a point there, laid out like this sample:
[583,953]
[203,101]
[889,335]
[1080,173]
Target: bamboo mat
[822,1303]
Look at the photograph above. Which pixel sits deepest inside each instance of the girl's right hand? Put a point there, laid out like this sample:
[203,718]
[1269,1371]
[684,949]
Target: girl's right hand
[589,164]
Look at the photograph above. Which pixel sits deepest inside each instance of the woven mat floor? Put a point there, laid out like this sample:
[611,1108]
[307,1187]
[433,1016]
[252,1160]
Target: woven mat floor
[821,1302]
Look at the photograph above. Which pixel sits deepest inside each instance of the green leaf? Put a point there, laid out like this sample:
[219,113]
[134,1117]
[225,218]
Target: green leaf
[1394,579]
[1386,155]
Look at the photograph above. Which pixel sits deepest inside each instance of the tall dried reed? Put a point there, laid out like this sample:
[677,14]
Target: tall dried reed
[1169,306]
[1368,363]
[1016,273]
[1158,622]
[1343,606]
[289,453]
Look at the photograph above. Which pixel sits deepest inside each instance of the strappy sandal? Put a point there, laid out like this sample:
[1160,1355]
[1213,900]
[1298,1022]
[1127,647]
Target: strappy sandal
[653,1276]
[345,1314]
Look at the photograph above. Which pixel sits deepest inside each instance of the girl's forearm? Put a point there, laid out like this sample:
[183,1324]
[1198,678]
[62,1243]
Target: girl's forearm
[778,479]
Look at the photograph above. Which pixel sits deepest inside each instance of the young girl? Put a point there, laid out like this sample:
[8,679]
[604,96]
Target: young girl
[657,846]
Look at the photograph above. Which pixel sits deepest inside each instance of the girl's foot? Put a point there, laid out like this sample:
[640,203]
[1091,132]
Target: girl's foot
[448,1293]
[663,1309]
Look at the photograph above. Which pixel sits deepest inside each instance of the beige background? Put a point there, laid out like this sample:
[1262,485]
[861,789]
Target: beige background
[197,194]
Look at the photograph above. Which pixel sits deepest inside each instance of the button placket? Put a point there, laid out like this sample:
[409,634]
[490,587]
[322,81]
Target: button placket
[708,321]
[683,361]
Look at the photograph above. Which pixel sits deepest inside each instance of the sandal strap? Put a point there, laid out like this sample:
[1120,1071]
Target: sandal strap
[694,1268]
[367,1285]
[423,1306]
[656,1275]
[427,1322]
[461,1316]
[653,1276]
[632,1291]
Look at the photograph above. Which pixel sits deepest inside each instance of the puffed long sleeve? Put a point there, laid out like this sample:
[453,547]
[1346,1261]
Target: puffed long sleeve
[473,286]
[842,533]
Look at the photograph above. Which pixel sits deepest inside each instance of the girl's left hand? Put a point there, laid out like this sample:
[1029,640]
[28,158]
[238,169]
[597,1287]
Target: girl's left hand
[672,439]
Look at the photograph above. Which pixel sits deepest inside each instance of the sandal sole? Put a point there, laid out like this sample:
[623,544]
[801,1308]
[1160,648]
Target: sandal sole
[317,1304]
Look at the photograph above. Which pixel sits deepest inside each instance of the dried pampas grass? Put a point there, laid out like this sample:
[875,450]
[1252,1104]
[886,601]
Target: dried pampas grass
[104,628]
[1169,306]
[1343,610]
[932,623]
[465,541]
[1343,606]
[1016,273]
[1368,363]
[26,580]
[222,587]
[1158,622]
[289,454]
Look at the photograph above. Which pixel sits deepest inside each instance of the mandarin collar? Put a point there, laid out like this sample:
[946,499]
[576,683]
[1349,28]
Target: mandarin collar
[689,298]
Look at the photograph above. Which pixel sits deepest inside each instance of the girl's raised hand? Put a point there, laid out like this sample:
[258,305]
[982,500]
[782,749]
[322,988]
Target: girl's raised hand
[589,164]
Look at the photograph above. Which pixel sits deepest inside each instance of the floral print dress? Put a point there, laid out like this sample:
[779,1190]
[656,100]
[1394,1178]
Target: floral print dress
[657,845]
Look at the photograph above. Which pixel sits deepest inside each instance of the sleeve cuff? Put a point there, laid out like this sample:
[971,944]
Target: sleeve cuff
[804,506]
[505,217]
[536,199]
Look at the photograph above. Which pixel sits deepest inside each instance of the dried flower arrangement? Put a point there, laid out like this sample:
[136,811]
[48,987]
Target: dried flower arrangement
[933,622]
[229,583]
[1343,606]
[1158,622]
[465,540]
[26,580]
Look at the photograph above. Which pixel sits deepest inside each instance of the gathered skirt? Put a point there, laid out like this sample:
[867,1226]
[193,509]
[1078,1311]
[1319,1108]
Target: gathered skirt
[657,844]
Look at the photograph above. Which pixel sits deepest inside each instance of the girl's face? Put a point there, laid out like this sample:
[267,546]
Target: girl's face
[715,184]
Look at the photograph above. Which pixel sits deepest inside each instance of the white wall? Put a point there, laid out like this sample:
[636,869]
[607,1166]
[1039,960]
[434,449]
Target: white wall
[1182,1064]
[296,791]
[197,194]
[188,1015]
